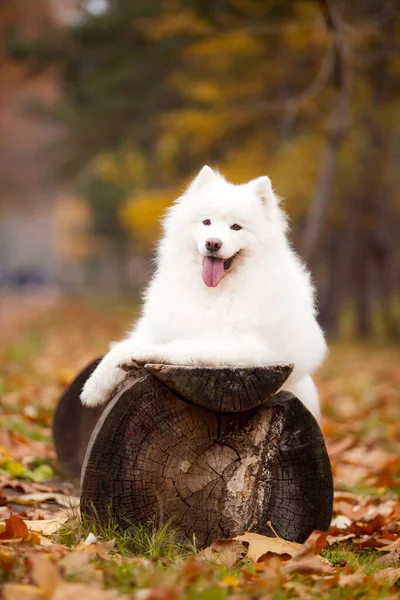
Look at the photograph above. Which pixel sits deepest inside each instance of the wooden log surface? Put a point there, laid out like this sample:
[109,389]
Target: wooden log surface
[154,457]
[223,389]
[73,424]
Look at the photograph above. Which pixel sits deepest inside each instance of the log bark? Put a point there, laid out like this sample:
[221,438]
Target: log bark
[223,389]
[73,424]
[154,457]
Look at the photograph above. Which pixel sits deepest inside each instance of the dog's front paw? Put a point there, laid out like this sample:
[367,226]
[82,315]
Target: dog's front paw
[93,394]
[99,388]
[132,364]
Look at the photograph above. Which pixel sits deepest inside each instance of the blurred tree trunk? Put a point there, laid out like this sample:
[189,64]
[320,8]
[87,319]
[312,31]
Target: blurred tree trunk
[386,234]
[365,249]
[361,265]
[339,260]
[385,257]
[338,122]
[381,236]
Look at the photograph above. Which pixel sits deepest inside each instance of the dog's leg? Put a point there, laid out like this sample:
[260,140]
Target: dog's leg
[205,352]
[306,391]
[107,376]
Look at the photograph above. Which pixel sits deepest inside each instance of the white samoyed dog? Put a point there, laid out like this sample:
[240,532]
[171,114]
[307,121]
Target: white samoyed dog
[228,290]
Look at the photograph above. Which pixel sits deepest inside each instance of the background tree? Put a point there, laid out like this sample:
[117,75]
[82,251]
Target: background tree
[305,91]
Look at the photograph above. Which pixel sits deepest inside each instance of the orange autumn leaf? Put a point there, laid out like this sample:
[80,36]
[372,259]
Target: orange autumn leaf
[15,529]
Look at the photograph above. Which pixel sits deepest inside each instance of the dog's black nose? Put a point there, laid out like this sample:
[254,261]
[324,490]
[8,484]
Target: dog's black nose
[213,244]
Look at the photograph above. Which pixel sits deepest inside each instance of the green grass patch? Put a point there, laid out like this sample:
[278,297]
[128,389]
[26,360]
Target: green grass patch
[136,540]
[31,431]
[342,556]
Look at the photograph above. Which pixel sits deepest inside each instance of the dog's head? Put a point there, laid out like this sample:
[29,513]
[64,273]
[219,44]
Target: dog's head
[224,223]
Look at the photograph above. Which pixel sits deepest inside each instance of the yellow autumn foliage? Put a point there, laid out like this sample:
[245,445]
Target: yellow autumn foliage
[127,167]
[244,94]
[236,44]
[175,21]
[143,212]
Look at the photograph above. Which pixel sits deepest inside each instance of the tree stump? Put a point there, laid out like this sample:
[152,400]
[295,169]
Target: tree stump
[212,450]
[73,424]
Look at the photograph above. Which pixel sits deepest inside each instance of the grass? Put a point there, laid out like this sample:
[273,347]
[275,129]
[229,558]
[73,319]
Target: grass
[344,556]
[136,540]
[146,557]
[16,424]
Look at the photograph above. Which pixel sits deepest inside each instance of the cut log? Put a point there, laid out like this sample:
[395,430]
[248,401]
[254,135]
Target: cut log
[73,424]
[154,457]
[223,389]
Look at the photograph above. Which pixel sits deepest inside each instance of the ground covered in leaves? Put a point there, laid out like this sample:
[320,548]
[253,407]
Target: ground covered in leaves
[48,553]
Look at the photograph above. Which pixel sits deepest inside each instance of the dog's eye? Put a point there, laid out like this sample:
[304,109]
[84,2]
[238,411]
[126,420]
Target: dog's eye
[207,222]
[236,227]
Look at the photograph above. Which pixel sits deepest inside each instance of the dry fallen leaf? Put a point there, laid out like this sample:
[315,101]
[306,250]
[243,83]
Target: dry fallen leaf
[352,579]
[392,559]
[15,528]
[390,547]
[308,565]
[337,539]
[79,566]
[260,545]
[314,544]
[45,542]
[19,591]
[75,591]
[265,560]
[307,559]
[46,526]
[223,552]
[28,487]
[299,590]
[262,549]
[45,574]
[39,497]
[99,548]
[304,559]
[387,576]
[8,556]
[50,586]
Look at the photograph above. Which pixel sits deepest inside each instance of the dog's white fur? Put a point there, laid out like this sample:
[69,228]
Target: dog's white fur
[262,311]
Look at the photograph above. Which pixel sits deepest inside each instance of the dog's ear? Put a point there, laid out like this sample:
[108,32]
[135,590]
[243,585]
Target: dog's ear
[263,188]
[206,175]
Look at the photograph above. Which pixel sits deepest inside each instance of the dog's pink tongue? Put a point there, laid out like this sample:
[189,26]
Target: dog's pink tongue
[213,271]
